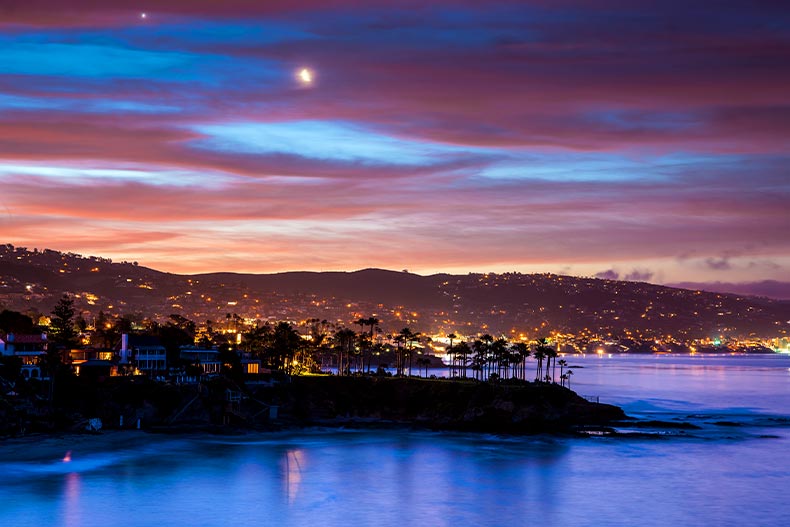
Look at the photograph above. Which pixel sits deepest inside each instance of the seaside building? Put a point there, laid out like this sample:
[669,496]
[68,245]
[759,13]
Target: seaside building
[29,348]
[95,362]
[144,352]
[205,358]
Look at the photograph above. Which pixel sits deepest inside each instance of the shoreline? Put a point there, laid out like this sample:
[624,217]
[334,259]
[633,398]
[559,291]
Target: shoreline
[52,448]
[221,406]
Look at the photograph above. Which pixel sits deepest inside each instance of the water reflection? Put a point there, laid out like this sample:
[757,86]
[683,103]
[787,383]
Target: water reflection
[292,471]
[72,506]
[401,478]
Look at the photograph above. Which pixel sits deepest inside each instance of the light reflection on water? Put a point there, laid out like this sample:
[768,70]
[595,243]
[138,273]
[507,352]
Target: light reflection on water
[723,475]
[71,500]
[292,469]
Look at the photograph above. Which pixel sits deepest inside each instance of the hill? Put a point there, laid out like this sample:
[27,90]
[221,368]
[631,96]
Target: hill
[512,303]
[767,288]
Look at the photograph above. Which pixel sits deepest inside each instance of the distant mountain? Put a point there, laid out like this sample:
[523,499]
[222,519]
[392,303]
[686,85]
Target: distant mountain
[766,288]
[371,285]
[512,303]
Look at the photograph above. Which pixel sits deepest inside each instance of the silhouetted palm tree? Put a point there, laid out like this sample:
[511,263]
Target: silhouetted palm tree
[543,351]
[500,358]
[520,352]
[480,348]
[319,334]
[372,322]
[285,344]
[409,338]
[362,351]
[451,352]
[462,352]
[539,355]
[424,361]
[344,344]
[399,340]
[553,355]
[563,363]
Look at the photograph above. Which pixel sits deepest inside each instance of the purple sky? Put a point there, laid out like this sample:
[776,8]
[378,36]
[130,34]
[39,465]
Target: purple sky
[639,140]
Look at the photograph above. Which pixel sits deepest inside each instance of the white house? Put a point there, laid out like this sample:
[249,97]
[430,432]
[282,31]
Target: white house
[30,348]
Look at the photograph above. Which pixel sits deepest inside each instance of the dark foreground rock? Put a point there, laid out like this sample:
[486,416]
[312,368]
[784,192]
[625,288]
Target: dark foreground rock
[439,404]
[222,406]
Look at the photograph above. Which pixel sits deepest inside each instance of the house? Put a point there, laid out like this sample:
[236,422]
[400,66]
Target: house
[94,362]
[206,358]
[249,365]
[144,352]
[253,366]
[96,369]
[31,349]
[85,354]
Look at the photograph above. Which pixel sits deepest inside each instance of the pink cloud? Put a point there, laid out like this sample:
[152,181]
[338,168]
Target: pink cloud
[613,138]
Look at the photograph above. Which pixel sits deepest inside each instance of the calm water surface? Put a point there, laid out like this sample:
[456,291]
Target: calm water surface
[735,470]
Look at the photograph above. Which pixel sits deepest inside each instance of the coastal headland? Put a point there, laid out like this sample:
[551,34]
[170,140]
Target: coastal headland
[522,407]
[222,406]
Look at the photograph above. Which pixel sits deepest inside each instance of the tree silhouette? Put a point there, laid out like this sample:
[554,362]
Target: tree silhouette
[372,323]
[544,351]
[285,344]
[480,350]
[15,322]
[344,344]
[563,363]
[520,354]
[423,361]
[462,351]
[61,325]
[500,357]
[540,354]
[399,341]
[63,336]
[407,337]
[176,333]
[453,356]
[317,348]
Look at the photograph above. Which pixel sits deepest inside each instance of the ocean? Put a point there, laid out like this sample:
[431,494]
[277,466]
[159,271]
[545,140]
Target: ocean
[731,468]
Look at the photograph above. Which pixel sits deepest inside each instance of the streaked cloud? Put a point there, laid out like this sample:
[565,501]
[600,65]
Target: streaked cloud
[648,140]
[327,140]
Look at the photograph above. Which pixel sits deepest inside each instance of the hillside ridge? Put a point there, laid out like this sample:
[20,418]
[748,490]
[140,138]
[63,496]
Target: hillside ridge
[32,281]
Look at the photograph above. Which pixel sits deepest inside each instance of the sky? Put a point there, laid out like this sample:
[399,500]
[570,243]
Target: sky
[622,139]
